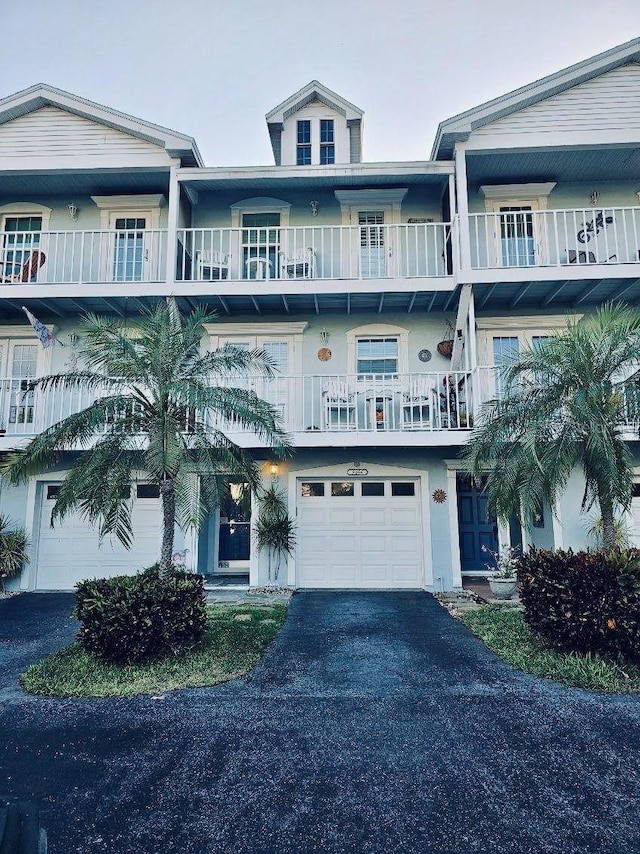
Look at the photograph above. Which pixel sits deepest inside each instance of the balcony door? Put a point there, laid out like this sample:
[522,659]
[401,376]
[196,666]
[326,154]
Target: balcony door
[20,237]
[373,251]
[131,251]
[19,365]
[275,390]
[260,244]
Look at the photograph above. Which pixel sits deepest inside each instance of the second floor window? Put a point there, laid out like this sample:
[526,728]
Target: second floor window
[377,356]
[327,144]
[303,149]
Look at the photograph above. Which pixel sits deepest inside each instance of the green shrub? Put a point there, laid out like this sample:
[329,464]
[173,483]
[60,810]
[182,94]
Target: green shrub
[136,617]
[584,601]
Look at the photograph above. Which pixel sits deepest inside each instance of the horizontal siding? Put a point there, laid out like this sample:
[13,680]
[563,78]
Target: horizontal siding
[50,132]
[610,102]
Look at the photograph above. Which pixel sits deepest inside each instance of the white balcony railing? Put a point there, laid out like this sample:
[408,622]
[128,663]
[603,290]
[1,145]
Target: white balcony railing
[93,257]
[335,403]
[555,238]
[315,252]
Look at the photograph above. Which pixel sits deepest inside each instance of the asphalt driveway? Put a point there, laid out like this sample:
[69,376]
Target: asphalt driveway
[375,723]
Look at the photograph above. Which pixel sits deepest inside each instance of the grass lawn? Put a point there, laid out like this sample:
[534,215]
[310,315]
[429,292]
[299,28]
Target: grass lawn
[233,643]
[505,632]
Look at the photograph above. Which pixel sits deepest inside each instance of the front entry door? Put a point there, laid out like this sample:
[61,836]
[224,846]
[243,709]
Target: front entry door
[476,527]
[234,547]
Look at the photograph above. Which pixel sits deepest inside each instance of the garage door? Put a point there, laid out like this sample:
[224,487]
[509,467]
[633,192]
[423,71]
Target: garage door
[359,533]
[71,551]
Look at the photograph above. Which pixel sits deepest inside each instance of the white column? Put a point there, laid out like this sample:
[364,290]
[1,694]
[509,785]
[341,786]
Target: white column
[463,206]
[454,533]
[172,224]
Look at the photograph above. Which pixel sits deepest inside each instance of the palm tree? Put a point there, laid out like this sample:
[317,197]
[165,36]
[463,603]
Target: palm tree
[162,406]
[563,405]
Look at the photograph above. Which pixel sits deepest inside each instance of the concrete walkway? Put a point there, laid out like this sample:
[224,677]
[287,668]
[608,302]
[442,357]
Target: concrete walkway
[374,723]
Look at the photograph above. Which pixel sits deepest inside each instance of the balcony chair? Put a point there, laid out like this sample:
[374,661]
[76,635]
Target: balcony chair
[338,406]
[417,404]
[28,272]
[297,265]
[211,265]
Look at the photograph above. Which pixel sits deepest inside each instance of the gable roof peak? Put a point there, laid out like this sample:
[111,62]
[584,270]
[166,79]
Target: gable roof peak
[459,127]
[43,94]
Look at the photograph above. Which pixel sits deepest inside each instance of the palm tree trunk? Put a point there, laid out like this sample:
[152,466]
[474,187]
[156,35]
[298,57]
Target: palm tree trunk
[168,493]
[608,519]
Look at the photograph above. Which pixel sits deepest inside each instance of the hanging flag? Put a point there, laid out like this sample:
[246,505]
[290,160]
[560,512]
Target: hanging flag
[46,337]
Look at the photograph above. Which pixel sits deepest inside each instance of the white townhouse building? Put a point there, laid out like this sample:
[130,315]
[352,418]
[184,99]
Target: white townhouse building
[387,293]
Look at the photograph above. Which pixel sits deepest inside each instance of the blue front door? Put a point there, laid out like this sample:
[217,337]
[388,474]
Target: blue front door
[477,528]
[235,527]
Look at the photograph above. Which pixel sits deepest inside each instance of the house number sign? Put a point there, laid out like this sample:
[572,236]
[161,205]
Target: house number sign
[357,472]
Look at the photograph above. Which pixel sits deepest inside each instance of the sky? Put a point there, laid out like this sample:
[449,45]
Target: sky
[213,68]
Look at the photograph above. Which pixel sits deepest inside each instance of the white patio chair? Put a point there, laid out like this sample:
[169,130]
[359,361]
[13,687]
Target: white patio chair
[297,265]
[211,265]
[338,406]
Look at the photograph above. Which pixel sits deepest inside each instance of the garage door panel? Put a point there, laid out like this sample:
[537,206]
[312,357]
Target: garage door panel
[404,516]
[404,543]
[341,516]
[374,543]
[309,515]
[362,541]
[373,517]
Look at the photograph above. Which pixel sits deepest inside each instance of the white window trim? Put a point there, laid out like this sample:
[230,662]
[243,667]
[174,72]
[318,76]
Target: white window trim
[378,330]
[353,201]
[148,205]
[26,209]
[510,195]
[218,333]
[260,204]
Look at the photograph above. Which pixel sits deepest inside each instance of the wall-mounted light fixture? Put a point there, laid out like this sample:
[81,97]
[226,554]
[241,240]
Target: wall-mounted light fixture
[315,207]
[73,338]
[324,337]
[273,469]
[593,197]
[73,211]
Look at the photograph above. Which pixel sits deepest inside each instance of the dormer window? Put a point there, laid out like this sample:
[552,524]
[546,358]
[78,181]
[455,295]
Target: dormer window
[303,150]
[327,143]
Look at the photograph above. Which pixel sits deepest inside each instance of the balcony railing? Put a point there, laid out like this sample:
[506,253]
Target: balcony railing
[555,238]
[336,403]
[93,257]
[416,250]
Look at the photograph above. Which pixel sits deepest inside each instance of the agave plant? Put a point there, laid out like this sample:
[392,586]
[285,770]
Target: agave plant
[13,550]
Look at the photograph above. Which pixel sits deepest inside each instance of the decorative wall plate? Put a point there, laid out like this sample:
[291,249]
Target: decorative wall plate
[424,355]
[439,496]
[324,354]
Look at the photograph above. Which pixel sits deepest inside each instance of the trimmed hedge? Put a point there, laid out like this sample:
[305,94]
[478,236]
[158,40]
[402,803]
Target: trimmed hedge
[583,601]
[131,618]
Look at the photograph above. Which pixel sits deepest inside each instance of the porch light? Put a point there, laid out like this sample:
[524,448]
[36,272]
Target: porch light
[324,337]
[315,207]
[273,468]
[73,211]
[593,197]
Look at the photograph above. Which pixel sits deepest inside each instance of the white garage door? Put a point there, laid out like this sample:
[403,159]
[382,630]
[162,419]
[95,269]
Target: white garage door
[71,551]
[359,533]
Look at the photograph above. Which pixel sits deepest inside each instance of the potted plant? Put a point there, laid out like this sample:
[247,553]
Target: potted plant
[502,578]
[13,551]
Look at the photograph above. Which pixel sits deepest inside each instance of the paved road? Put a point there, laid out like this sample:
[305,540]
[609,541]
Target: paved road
[375,723]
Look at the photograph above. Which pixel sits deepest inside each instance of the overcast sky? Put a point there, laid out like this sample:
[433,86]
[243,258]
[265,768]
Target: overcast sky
[213,68]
